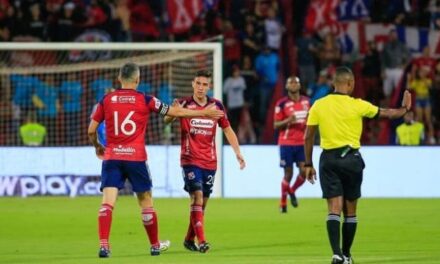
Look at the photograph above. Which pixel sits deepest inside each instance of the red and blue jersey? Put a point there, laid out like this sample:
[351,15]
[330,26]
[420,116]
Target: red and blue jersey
[293,134]
[198,135]
[125,113]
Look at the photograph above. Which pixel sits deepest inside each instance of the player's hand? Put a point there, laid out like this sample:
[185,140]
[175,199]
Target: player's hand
[310,174]
[291,119]
[177,104]
[212,112]
[99,150]
[406,101]
[241,161]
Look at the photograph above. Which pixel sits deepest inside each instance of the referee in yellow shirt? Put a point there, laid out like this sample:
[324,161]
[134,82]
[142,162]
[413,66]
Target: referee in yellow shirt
[339,118]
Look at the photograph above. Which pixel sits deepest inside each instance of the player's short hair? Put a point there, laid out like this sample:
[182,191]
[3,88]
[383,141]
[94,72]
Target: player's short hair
[129,72]
[343,74]
[204,73]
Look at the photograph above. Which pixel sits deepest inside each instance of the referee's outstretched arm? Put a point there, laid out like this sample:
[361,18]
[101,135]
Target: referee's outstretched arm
[394,113]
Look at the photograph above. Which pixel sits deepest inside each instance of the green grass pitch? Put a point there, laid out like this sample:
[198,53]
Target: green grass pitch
[64,230]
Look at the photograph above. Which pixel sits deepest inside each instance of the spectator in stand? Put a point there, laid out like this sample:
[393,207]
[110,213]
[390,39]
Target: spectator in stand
[435,96]
[250,43]
[32,133]
[24,88]
[47,102]
[101,85]
[122,21]
[329,52]
[234,87]
[66,29]
[425,60]
[142,22]
[410,133]
[70,94]
[252,93]
[306,50]
[267,65]
[232,45]
[434,8]
[36,22]
[395,56]
[274,30]
[421,84]
[371,74]
[322,88]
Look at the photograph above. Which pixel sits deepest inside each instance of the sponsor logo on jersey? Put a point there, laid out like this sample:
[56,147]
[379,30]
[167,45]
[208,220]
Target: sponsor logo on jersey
[124,150]
[203,123]
[192,106]
[198,131]
[301,115]
[127,99]
[114,99]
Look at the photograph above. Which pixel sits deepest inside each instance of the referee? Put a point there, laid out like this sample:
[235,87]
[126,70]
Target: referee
[339,117]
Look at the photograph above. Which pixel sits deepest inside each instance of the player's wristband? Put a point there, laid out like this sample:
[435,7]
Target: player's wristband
[308,165]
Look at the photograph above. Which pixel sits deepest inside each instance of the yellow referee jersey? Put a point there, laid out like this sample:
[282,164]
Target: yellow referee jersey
[410,135]
[339,118]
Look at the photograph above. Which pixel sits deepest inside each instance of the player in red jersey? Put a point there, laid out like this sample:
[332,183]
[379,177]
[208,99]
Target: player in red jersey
[125,113]
[198,155]
[290,120]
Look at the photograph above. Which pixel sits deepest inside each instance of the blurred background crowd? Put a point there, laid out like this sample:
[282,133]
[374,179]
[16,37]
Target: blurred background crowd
[391,45]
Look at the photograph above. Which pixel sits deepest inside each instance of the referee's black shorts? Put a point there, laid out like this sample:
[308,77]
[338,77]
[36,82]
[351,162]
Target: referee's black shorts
[341,175]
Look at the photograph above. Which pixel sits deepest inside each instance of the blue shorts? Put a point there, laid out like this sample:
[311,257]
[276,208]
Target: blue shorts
[291,154]
[422,103]
[115,172]
[198,179]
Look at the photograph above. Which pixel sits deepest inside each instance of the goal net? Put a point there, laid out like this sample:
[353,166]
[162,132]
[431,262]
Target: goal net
[55,86]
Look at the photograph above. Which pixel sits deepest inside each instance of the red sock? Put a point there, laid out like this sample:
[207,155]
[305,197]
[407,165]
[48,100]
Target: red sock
[298,182]
[104,224]
[197,222]
[284,191]
[149,219]
[190,234]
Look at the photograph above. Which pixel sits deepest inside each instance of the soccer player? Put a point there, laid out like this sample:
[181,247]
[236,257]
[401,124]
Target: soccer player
[339,117]
[290,120]
[198,155]
[125,112]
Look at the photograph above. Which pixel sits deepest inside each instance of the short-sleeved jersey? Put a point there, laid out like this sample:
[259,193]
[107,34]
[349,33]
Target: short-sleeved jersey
[339,118]
[126,112]
[292,135]
[421,87]
[198,135]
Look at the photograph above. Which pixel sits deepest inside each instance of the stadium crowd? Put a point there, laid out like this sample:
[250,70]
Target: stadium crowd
[258,36]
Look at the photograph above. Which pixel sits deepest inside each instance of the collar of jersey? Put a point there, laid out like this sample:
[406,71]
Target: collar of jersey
[207,102]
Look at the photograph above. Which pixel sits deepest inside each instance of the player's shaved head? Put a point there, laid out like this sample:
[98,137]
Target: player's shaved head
[343,75]
[129,72]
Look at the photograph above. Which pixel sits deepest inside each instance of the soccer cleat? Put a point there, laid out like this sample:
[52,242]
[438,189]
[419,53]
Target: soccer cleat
[293,199]
[203,247]
[190,245]
[283,209]
[336,259]
[104,252]
[157,249]
[348,260]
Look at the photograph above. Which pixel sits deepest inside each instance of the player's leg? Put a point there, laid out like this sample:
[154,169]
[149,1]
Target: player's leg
[111,180]
[299,160]
[193,178]
[109,196]
[286,162]
[139,176]
[207,184]
[334,206]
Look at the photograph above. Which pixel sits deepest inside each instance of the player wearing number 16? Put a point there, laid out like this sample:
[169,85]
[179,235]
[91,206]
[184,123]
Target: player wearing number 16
[125,113]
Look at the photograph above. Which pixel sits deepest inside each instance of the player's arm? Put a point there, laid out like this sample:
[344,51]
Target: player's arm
[169,119]
[210,112]
[309,171]
[93,138]
[284,123]
[393,113]
[232,139]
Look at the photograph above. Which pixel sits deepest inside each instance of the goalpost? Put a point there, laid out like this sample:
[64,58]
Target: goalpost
[57,85]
